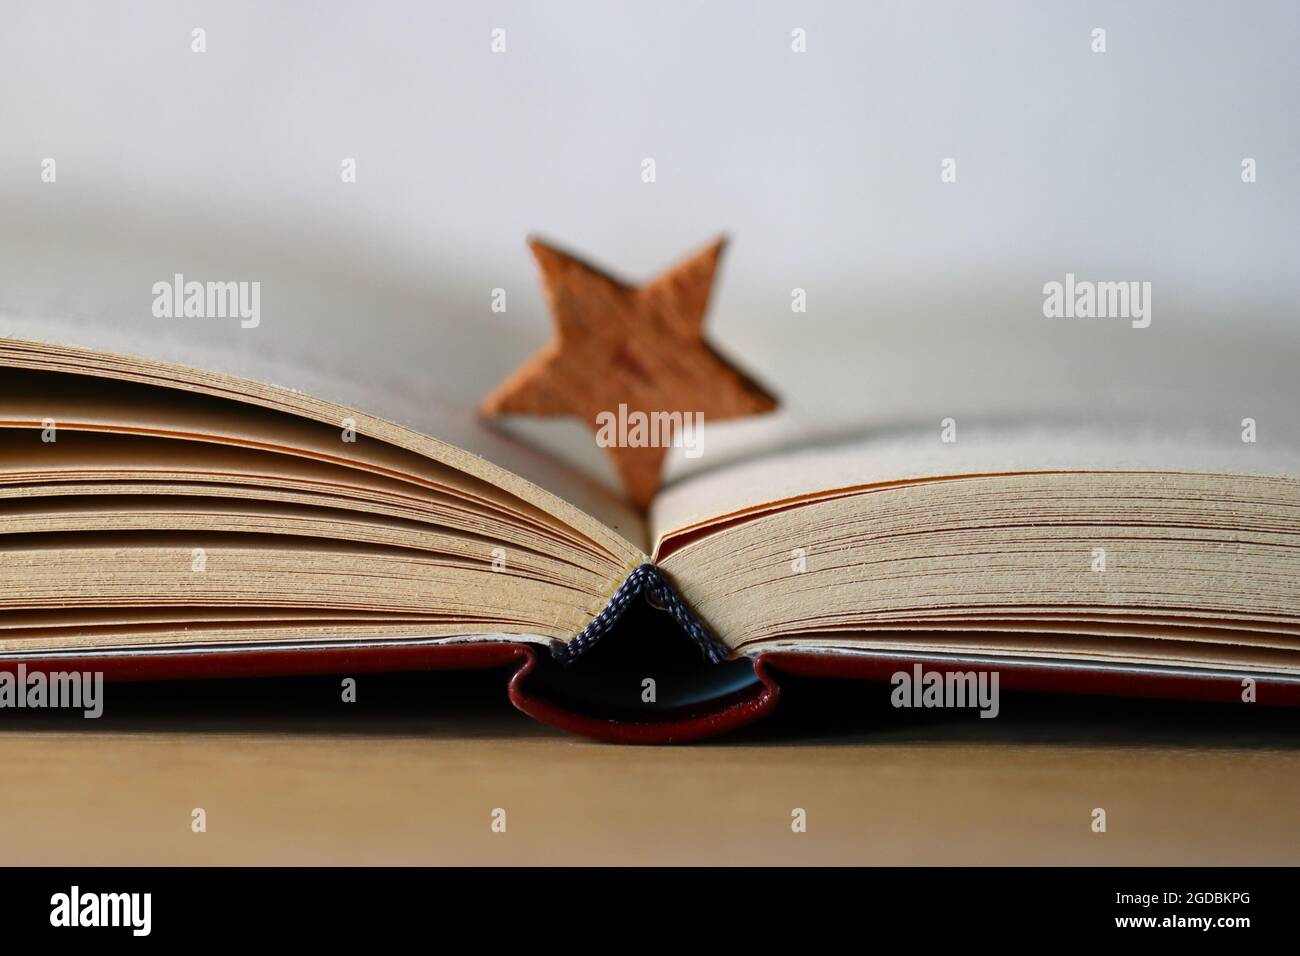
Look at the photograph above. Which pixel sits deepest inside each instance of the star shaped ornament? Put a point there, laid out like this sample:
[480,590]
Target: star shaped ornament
[632,363]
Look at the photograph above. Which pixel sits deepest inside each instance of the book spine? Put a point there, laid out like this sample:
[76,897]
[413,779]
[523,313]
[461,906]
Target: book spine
[648,581]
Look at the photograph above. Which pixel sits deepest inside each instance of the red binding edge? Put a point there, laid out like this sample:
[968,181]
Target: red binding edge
[737,711]
[1046,678]
[161,664]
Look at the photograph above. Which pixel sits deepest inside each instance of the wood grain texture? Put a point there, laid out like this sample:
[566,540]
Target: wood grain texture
[415,784]
[640,346]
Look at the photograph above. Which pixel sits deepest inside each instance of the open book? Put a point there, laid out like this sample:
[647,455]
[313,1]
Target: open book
[161,520]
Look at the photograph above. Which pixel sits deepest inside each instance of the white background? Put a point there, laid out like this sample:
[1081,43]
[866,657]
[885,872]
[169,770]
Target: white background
[924,298]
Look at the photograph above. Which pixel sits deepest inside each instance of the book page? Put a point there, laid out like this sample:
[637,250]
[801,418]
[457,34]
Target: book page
[406,399]
[1008,447]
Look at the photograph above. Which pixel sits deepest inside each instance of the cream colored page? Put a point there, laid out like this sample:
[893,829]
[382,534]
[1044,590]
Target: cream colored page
[905,455]
[376,385]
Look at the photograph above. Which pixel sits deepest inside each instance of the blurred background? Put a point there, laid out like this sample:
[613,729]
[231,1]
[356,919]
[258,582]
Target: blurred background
[924,298]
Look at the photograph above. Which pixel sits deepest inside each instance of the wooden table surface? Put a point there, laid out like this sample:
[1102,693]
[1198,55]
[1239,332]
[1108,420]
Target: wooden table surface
[411,773]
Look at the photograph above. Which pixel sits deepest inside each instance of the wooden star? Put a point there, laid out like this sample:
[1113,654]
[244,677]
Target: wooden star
[638,346]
